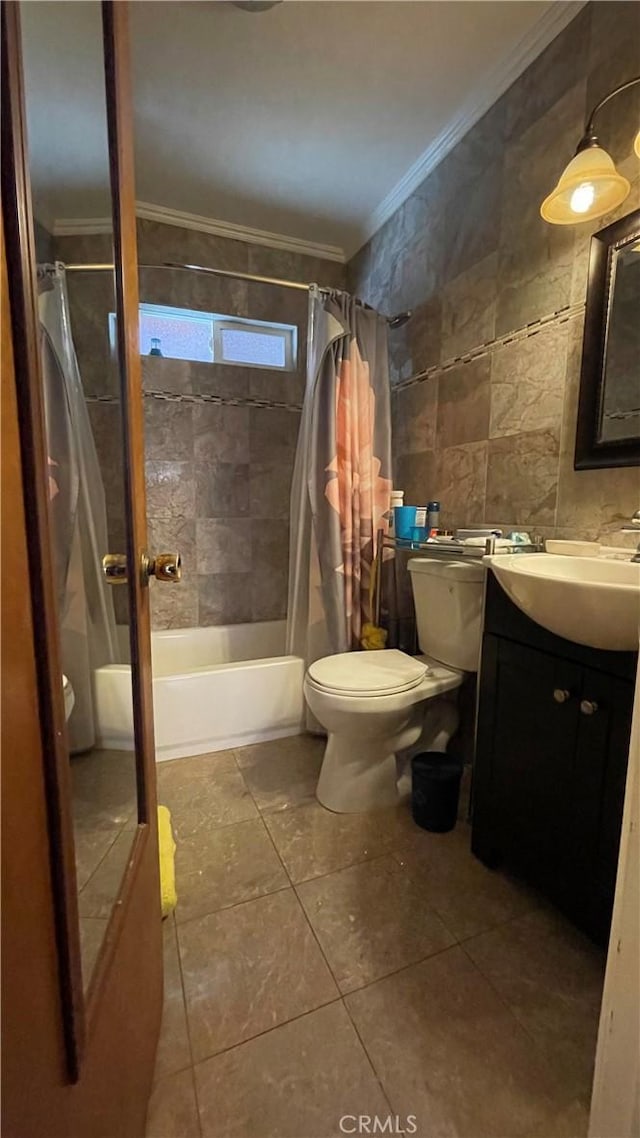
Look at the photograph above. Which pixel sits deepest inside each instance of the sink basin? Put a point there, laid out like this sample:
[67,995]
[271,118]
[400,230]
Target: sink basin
[585,599]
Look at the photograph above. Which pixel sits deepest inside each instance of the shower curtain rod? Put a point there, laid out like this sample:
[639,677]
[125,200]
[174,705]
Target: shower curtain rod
[394,321]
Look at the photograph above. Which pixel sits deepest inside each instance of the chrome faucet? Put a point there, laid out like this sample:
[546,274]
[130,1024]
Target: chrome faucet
[634,528]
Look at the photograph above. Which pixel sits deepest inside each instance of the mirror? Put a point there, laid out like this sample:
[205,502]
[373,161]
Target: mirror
[608,431]
[64,82]
[620,414]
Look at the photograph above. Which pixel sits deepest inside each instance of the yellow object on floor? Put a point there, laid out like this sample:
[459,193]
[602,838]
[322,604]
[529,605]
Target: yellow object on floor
[373,637]
[167,848]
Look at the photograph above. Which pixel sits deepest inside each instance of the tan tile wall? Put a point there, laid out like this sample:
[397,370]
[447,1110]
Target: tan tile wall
[493,438]
[218,476]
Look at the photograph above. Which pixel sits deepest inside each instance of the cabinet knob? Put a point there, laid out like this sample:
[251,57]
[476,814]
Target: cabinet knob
[588,707]
[561,695]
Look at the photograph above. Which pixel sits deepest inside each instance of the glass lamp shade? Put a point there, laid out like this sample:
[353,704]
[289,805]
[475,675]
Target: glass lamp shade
[636,145]
[589,187]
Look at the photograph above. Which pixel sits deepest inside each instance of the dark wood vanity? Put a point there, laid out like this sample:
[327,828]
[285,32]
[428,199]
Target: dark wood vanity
[553,729]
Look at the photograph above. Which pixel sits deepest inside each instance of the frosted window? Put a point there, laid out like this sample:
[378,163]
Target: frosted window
[177,337]
[258,348]
[210,337]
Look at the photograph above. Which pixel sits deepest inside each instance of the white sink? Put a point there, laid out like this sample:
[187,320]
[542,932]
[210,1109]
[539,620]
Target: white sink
[588,600]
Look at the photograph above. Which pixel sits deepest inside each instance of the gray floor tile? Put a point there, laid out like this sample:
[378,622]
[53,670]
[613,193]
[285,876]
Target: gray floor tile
[222,867]
[248,969]
[98,896]
[283,772]
[448,1051]
[299,1079]
[172,1111]
[551,977]
[312,841]
[203,793]
[371,920]
[466,895]
[173,1052]
[491,1039]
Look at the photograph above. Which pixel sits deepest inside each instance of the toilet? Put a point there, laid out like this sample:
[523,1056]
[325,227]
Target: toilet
[69,697]
[377,705]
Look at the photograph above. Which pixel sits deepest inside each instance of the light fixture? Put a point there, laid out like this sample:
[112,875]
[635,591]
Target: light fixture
[590,185]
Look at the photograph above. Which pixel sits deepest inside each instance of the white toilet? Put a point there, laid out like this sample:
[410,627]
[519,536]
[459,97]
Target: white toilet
[374,705]
[69,697]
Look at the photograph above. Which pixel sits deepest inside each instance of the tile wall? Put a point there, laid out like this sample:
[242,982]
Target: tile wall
[218,473]
[493,437]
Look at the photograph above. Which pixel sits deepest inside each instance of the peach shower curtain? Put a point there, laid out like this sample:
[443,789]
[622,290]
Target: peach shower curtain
[341,488]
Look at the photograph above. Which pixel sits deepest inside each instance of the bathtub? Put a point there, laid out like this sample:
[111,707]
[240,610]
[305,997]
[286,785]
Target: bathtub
[213,688]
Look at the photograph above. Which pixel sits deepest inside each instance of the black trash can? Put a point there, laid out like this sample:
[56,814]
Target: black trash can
[435,790]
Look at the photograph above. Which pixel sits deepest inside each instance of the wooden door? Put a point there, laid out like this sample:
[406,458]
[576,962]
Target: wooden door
[77,1059]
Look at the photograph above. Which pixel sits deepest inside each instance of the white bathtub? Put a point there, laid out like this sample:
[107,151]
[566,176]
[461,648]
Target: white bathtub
[212,688]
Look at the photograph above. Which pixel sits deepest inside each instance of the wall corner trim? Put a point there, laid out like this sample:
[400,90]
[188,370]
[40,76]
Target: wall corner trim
[75,227]
[554,19]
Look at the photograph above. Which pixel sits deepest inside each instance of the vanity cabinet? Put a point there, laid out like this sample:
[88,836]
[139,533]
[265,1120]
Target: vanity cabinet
[554,722]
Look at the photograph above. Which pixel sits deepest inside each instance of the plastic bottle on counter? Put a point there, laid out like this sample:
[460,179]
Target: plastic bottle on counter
[433,518]
[420,531]
[397,499]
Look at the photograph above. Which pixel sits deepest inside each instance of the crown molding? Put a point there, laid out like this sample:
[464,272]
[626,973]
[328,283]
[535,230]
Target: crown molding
[239,232]
[81,226]
[555,18]
[551,23]
[76,227]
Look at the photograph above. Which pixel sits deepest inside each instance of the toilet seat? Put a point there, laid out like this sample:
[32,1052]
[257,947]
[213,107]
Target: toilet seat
[385,672]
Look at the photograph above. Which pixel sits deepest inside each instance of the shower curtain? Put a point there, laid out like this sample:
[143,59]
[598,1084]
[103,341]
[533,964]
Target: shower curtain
[341,488]
[78,513]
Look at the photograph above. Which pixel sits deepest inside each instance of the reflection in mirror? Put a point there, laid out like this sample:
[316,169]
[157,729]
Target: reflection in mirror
[620,416]
[69,168]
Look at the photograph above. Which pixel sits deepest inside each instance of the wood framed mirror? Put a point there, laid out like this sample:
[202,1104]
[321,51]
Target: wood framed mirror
[608,428]
[74,1056]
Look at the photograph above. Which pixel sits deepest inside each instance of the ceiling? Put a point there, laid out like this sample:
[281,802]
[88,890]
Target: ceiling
[300,120]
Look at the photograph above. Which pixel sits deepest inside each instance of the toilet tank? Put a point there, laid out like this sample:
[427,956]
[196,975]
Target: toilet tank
[448,602]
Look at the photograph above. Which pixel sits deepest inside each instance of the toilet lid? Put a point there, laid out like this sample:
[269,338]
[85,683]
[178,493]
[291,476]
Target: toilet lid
[368,673]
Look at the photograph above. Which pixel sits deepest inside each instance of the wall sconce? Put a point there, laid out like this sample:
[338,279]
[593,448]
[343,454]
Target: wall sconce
[590,185]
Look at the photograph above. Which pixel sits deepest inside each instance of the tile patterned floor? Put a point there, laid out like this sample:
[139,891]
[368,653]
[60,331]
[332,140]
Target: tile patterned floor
[104,820]
[321,965]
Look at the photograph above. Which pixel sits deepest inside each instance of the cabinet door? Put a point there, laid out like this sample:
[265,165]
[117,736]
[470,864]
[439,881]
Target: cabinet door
[527,726]
[594,814]
[551,761]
